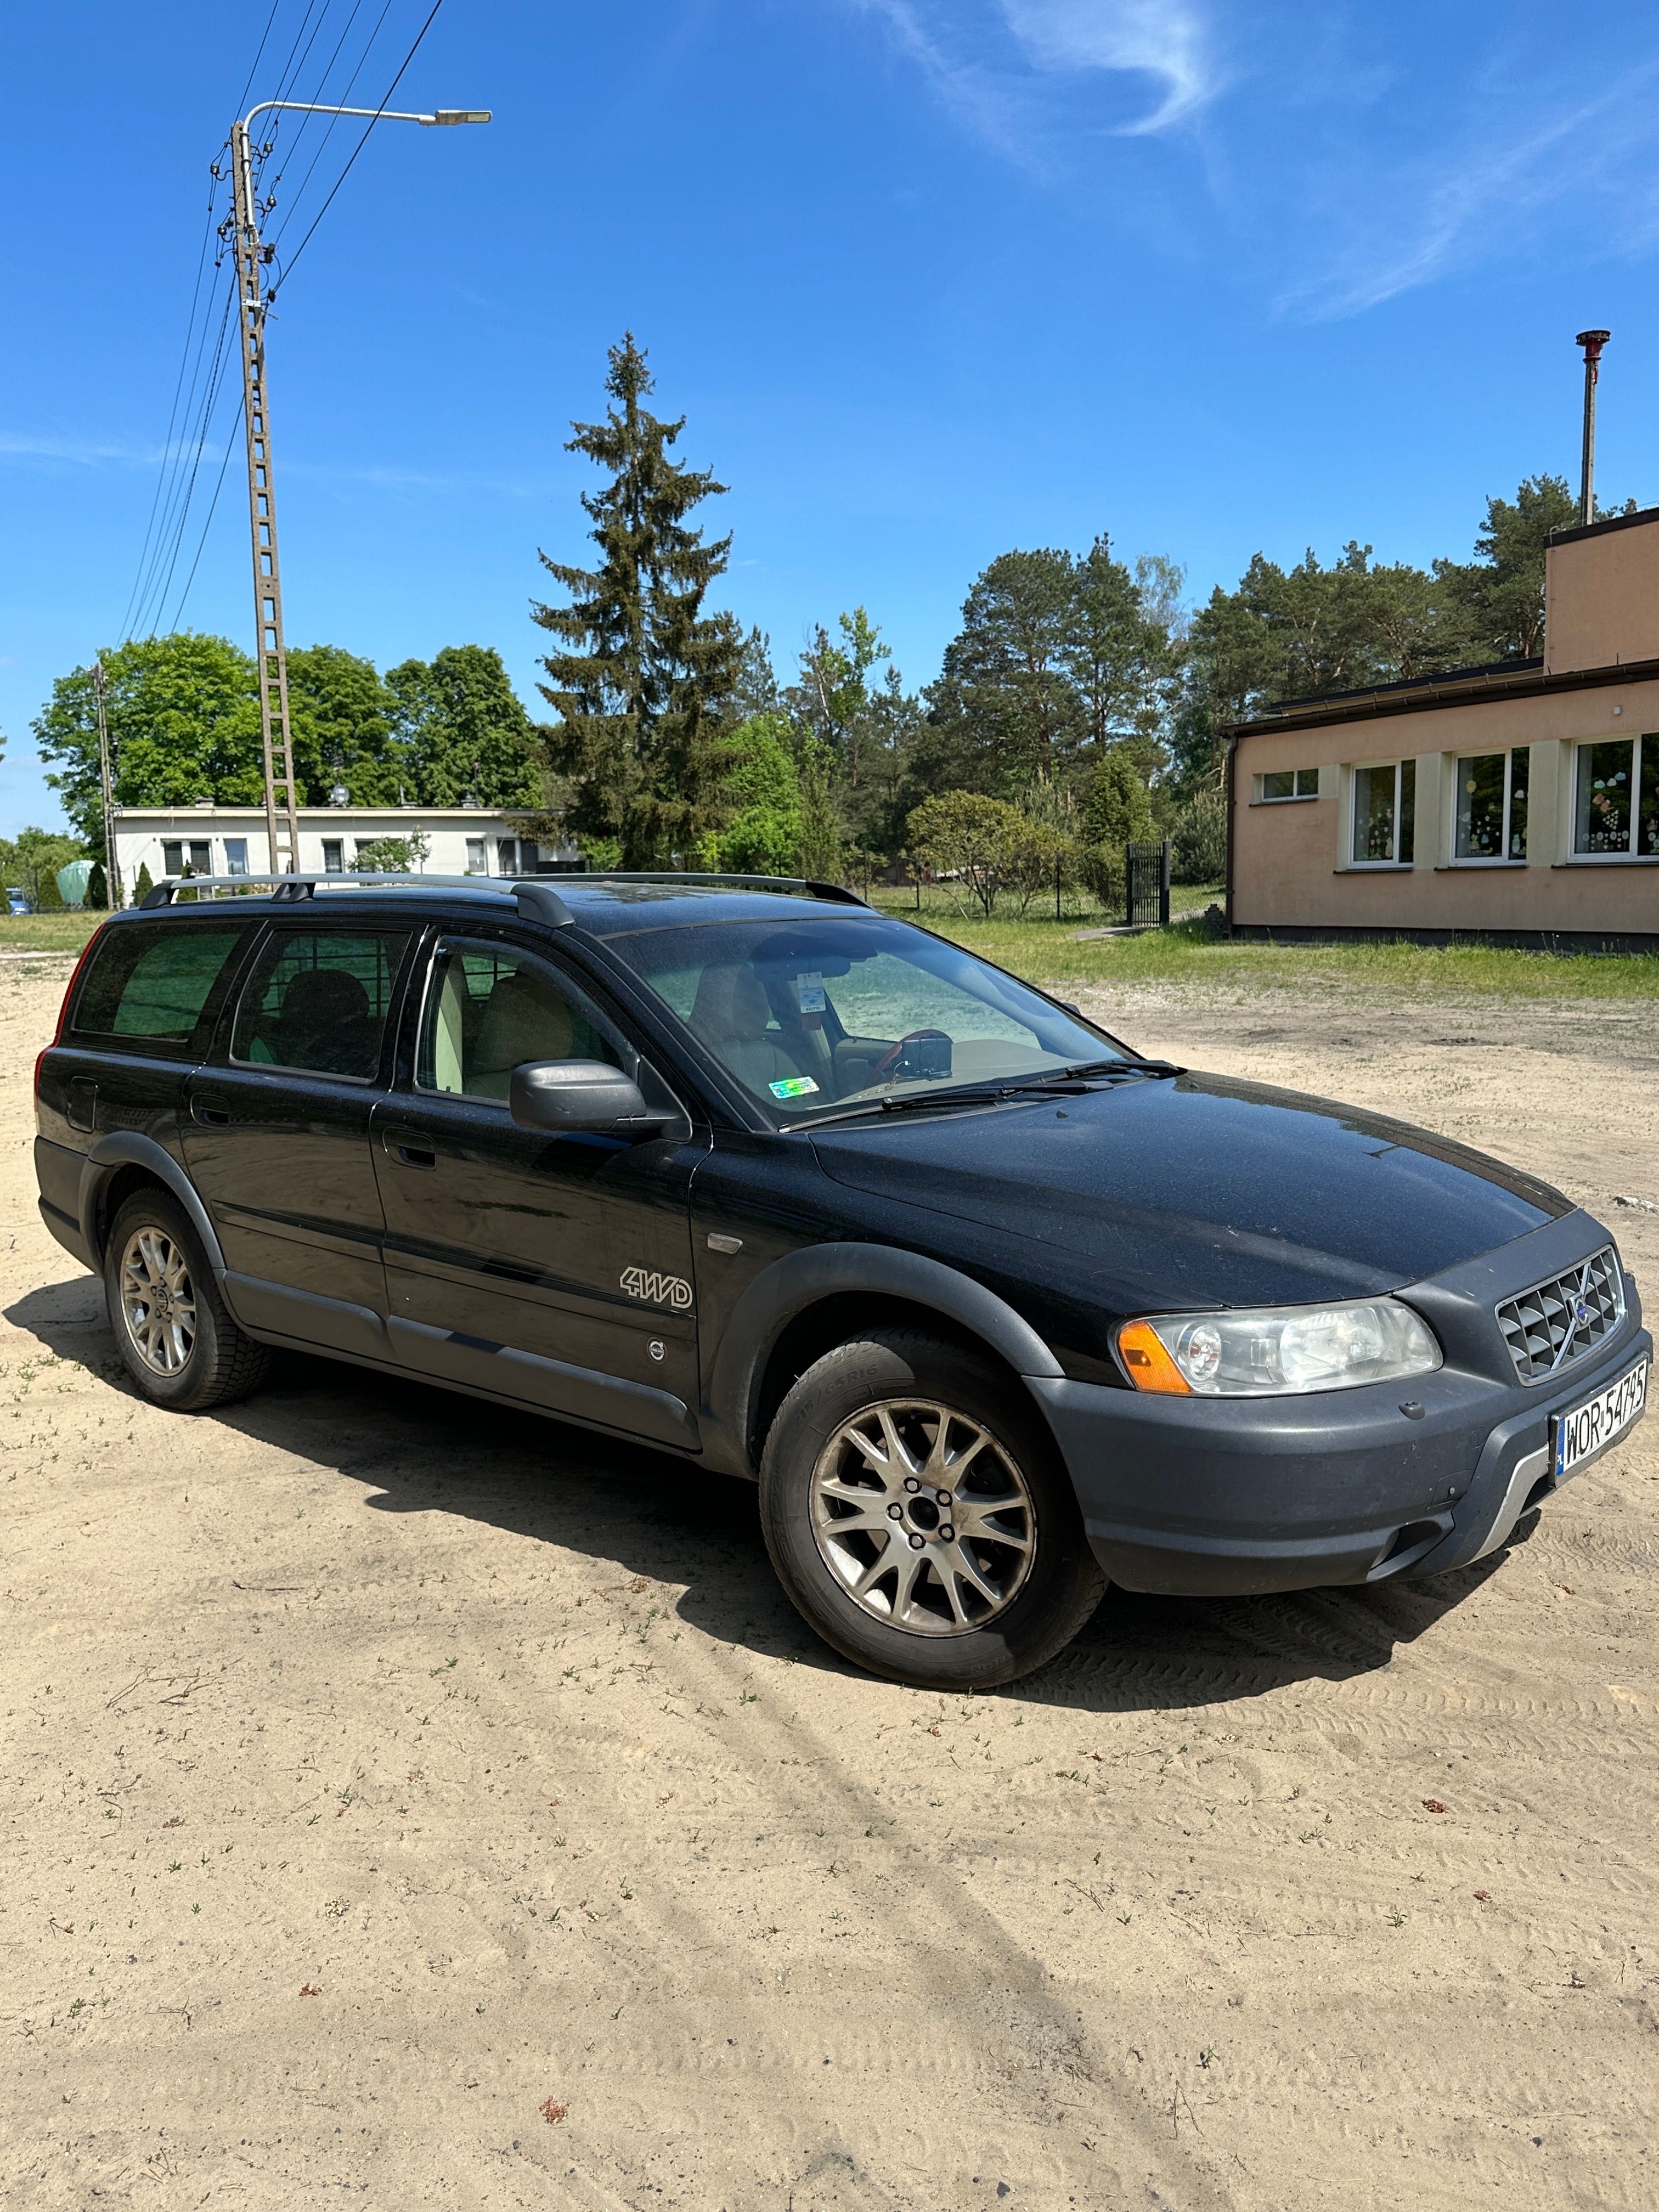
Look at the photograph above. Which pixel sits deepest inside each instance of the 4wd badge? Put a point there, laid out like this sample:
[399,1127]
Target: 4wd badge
[657,1290]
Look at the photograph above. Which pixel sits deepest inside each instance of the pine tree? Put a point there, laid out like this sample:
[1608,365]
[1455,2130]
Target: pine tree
[642,672]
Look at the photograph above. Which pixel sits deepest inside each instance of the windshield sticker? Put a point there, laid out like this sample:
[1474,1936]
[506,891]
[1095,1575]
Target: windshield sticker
[809,989]
[791,1086]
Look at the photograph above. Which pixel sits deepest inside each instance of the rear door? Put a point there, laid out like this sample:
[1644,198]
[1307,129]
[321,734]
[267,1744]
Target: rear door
[276,1133]
[554,1269]
[142,1017]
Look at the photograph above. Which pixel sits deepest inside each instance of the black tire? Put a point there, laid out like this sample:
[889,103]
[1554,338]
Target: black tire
[977,1616]
[212,1361]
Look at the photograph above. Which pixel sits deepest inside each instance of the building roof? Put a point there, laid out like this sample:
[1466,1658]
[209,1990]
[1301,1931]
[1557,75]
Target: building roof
[1457,687]
[190,809]
[1570,536]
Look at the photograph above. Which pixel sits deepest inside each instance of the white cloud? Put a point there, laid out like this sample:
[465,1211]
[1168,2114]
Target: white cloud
[1475,200]
[976,75]
[83,453]
[1167,40]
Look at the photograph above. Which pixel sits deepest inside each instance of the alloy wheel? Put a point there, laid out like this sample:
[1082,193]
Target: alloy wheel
[158,1300]
[923,1517]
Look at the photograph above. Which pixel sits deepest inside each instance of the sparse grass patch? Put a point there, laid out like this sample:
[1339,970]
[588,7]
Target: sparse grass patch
[65,931]
[1046,951]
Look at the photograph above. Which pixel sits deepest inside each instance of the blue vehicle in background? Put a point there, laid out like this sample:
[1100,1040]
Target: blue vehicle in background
[17,902]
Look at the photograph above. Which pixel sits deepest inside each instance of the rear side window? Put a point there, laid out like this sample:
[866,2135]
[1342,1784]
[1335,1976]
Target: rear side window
[319,1001]
[155,982]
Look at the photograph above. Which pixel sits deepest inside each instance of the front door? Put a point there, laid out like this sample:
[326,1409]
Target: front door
[553,1269]
[277,1134]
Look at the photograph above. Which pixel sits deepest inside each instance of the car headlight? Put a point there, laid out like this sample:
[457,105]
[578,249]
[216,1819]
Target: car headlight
[1277,1351]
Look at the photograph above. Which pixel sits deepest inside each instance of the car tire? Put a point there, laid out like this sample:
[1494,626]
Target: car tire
[919,1517]
[174,1332]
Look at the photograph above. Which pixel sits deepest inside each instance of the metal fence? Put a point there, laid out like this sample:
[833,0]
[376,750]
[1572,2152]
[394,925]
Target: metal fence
[1146,882]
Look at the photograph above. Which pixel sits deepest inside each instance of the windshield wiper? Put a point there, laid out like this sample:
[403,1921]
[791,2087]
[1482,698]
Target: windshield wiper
[1066,1081]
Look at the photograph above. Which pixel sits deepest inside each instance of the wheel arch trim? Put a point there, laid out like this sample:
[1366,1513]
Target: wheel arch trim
[780,1294]
[128,1148]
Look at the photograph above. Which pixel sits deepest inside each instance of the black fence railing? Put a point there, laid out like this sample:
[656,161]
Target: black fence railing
[1146,884]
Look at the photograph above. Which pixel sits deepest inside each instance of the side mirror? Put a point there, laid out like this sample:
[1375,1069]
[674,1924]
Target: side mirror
[564,1097]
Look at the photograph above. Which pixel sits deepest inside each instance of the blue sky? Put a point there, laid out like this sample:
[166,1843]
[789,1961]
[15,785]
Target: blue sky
[931,278]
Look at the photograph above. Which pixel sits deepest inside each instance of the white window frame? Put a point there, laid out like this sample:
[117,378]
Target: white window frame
[336,866]
[1295,797]
[234,864]
[1629,857]
[1359,768]
[1503,859]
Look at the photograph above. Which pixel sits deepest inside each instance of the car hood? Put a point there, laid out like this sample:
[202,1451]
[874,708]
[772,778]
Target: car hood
[1202,1191]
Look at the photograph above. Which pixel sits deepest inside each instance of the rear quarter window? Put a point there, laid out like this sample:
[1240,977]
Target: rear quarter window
[157,985]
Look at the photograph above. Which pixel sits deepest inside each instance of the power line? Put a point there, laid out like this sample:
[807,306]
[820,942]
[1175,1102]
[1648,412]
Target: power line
[346,92]
[213,506]
[172,411]
[171,520]
[385,102]
[258,55]
[177,529]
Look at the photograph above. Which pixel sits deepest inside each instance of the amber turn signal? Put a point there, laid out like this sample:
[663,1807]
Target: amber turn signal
[1147,1364]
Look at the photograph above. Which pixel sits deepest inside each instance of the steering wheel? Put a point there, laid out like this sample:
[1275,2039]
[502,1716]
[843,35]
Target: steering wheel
[894,1054]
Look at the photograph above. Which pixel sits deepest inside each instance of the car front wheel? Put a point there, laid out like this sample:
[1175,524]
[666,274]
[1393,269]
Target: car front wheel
[918,1516]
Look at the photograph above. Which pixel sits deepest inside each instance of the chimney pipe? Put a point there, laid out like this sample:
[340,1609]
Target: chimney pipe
[1592,341]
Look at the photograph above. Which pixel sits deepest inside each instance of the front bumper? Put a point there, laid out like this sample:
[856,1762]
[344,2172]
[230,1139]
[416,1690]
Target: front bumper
[1196,1496]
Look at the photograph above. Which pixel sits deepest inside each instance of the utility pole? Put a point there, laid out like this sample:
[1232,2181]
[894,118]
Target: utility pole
[276,729]
[112,864]
[271,652]
[1592,341]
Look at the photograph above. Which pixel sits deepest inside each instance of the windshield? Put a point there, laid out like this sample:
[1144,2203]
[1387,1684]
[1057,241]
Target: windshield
[852,1009]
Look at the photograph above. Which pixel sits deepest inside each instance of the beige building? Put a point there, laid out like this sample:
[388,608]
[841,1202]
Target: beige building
[1518,803]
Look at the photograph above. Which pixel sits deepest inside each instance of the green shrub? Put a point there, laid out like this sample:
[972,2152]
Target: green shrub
[1199,843]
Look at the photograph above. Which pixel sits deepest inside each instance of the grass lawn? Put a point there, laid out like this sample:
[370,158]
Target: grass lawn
[65,931]
[1048,951]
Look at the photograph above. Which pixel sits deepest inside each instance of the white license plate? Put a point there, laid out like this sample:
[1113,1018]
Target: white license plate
[1588,1428]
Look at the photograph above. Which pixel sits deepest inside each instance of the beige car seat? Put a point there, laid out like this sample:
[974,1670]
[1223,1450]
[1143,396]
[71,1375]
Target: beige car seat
[524,1019]
[730,1014]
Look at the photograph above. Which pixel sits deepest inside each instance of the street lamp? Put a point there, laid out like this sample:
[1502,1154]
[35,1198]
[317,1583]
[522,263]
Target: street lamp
[251,256]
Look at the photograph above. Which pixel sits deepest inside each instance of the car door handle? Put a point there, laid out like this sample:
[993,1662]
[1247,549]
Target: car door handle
[208,1107]
[411,1148]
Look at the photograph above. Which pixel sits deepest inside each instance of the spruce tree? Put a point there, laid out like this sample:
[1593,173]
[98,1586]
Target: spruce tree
[640,673]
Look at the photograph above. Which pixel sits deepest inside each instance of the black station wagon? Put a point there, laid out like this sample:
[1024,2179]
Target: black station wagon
[995,1310]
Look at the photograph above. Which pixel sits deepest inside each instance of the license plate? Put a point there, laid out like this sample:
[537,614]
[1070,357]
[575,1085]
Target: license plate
[1584,1431]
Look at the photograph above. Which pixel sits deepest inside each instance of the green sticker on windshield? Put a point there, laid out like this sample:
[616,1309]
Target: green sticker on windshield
[791,1086]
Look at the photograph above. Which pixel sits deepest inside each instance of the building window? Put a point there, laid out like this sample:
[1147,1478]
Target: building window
[477,861]
[334,856]
[186,855]
[1618,811]
[1491,806]
[507,856]
[1384,802]
[1282,783]
[236,856]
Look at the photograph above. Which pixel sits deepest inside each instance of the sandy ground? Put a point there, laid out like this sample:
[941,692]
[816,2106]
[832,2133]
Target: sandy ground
[410,1804]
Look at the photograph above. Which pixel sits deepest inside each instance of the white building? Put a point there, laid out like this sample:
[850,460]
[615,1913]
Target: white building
[231,841]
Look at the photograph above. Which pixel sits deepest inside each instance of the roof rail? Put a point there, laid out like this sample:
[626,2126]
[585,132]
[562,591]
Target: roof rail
[787,884]
[536,898]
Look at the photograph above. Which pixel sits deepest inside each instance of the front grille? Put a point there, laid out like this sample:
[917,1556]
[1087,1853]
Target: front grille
[1553,1324]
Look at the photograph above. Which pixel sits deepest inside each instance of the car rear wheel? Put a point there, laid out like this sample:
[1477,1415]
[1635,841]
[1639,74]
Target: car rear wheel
[175,1335]
[918,1516]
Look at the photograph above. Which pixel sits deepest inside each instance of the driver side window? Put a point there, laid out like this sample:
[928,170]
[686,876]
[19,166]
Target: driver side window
[490,1008]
